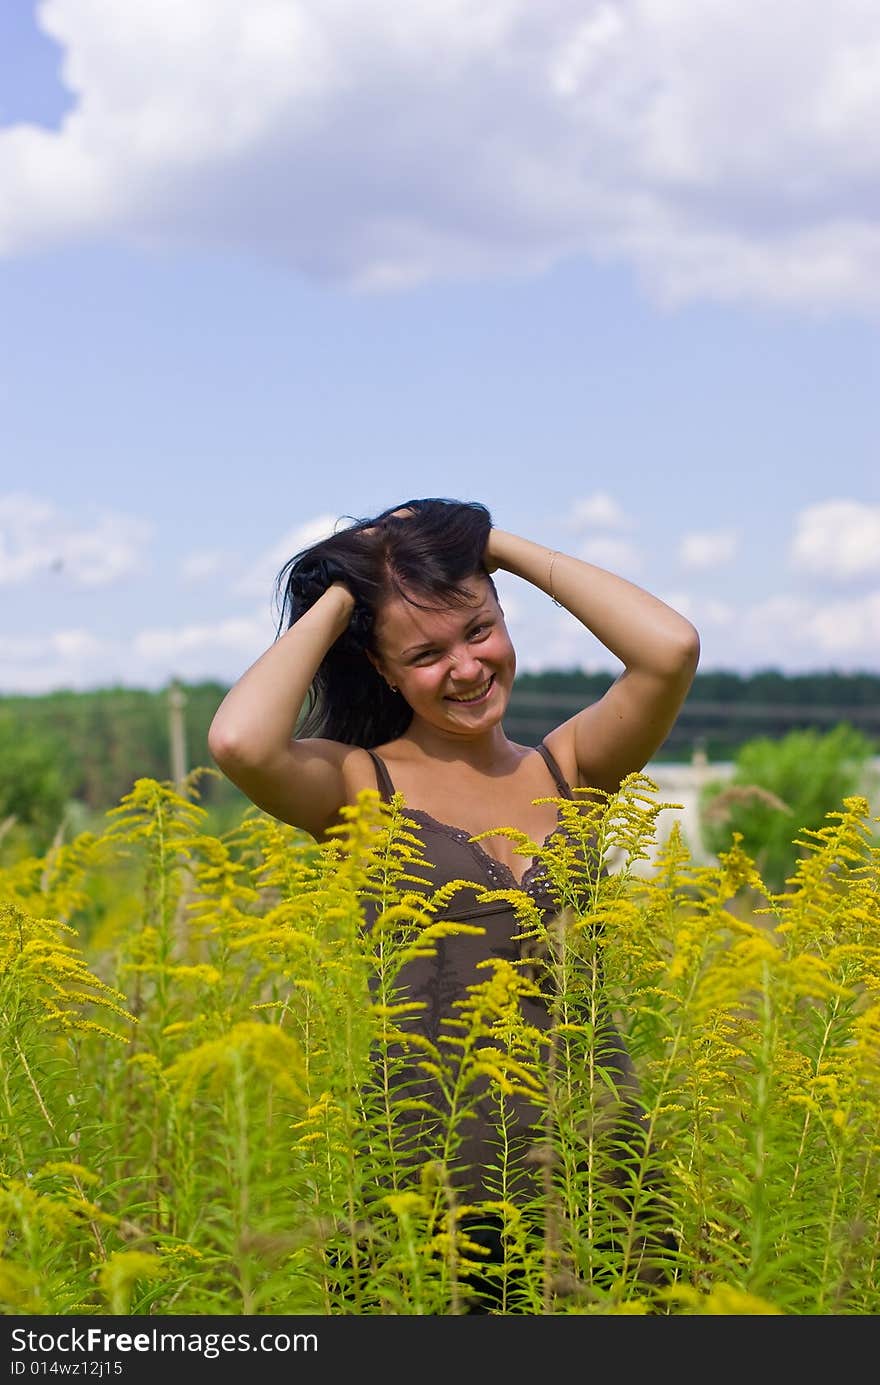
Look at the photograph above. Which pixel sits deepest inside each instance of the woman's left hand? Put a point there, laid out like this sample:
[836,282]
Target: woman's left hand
[490,559]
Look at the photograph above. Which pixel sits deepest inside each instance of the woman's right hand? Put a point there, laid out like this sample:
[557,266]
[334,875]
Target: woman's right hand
[313,577]
[253,735]
[341,586]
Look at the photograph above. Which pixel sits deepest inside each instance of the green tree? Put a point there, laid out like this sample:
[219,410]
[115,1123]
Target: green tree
[36,777]
[777,788]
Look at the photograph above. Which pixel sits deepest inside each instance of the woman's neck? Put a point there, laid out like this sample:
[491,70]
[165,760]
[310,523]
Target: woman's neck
[490,749]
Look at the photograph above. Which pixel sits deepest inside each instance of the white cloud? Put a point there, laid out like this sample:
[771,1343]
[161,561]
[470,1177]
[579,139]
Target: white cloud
[201,567]
[719,613]
[23,648]
[559,642]
[701,611]
[681,601]
[338,138]
[599,509]
[77,645]
[260,578]
[706,550]
[221,651]
[617,555]
[847,626]
[510,598]
[838,539]
[785,631]
[245,635]
[73,658]
[790,627]
[149,658]
[39,540]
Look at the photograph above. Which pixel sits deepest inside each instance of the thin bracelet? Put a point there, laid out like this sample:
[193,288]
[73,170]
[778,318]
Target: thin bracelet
[553,556]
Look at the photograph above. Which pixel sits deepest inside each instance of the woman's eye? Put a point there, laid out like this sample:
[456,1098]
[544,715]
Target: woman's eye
[480,631]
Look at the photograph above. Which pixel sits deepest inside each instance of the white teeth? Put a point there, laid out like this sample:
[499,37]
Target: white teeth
[474,697]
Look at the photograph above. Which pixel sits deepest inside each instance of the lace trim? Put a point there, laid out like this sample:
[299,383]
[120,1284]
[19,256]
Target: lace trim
[500,874]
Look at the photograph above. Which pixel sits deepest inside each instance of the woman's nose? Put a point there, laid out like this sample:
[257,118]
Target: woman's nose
[464,664]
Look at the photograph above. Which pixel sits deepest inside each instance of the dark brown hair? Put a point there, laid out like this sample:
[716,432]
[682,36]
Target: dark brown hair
[426,556]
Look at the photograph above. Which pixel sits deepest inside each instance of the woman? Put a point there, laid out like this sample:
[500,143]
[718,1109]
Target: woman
[397,650]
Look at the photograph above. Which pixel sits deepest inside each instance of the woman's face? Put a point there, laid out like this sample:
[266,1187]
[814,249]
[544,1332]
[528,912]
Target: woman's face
[454,665]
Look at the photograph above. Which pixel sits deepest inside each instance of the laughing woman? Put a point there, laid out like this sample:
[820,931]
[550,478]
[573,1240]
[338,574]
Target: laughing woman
[393,670]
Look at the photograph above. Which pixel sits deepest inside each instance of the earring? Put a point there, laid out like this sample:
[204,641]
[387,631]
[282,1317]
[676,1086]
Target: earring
[393,687]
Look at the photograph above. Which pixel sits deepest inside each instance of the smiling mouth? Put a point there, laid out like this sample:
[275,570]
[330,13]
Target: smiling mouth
[477,696]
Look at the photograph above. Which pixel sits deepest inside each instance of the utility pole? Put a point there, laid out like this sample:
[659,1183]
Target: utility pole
[699,758]
[177,732]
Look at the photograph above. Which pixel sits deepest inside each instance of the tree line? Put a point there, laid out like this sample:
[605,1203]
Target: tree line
[723,711]
[90,747]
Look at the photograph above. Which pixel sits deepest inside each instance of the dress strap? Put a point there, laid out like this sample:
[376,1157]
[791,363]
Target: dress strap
[386,787]
[383,778]
[562,784]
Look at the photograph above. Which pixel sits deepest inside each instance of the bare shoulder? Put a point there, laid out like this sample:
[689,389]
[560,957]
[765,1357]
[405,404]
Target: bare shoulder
[353,770]
[358,772]
[305,783]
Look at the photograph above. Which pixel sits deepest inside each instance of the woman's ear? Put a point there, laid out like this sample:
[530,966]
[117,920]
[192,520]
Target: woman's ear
[375,662]
[377,665]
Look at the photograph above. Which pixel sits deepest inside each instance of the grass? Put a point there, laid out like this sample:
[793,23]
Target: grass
[205,1051]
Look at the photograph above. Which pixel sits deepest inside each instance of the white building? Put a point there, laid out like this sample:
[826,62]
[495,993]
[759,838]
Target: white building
[682,784]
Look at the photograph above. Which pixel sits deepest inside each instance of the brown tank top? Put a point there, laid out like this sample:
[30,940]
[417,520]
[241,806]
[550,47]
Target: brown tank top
[454,856]
[439,982]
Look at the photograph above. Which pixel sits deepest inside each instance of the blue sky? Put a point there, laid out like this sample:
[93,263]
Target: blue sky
[610,268]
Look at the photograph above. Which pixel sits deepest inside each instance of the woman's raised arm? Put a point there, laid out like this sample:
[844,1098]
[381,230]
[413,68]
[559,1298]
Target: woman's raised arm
[659,648]
[251,736]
